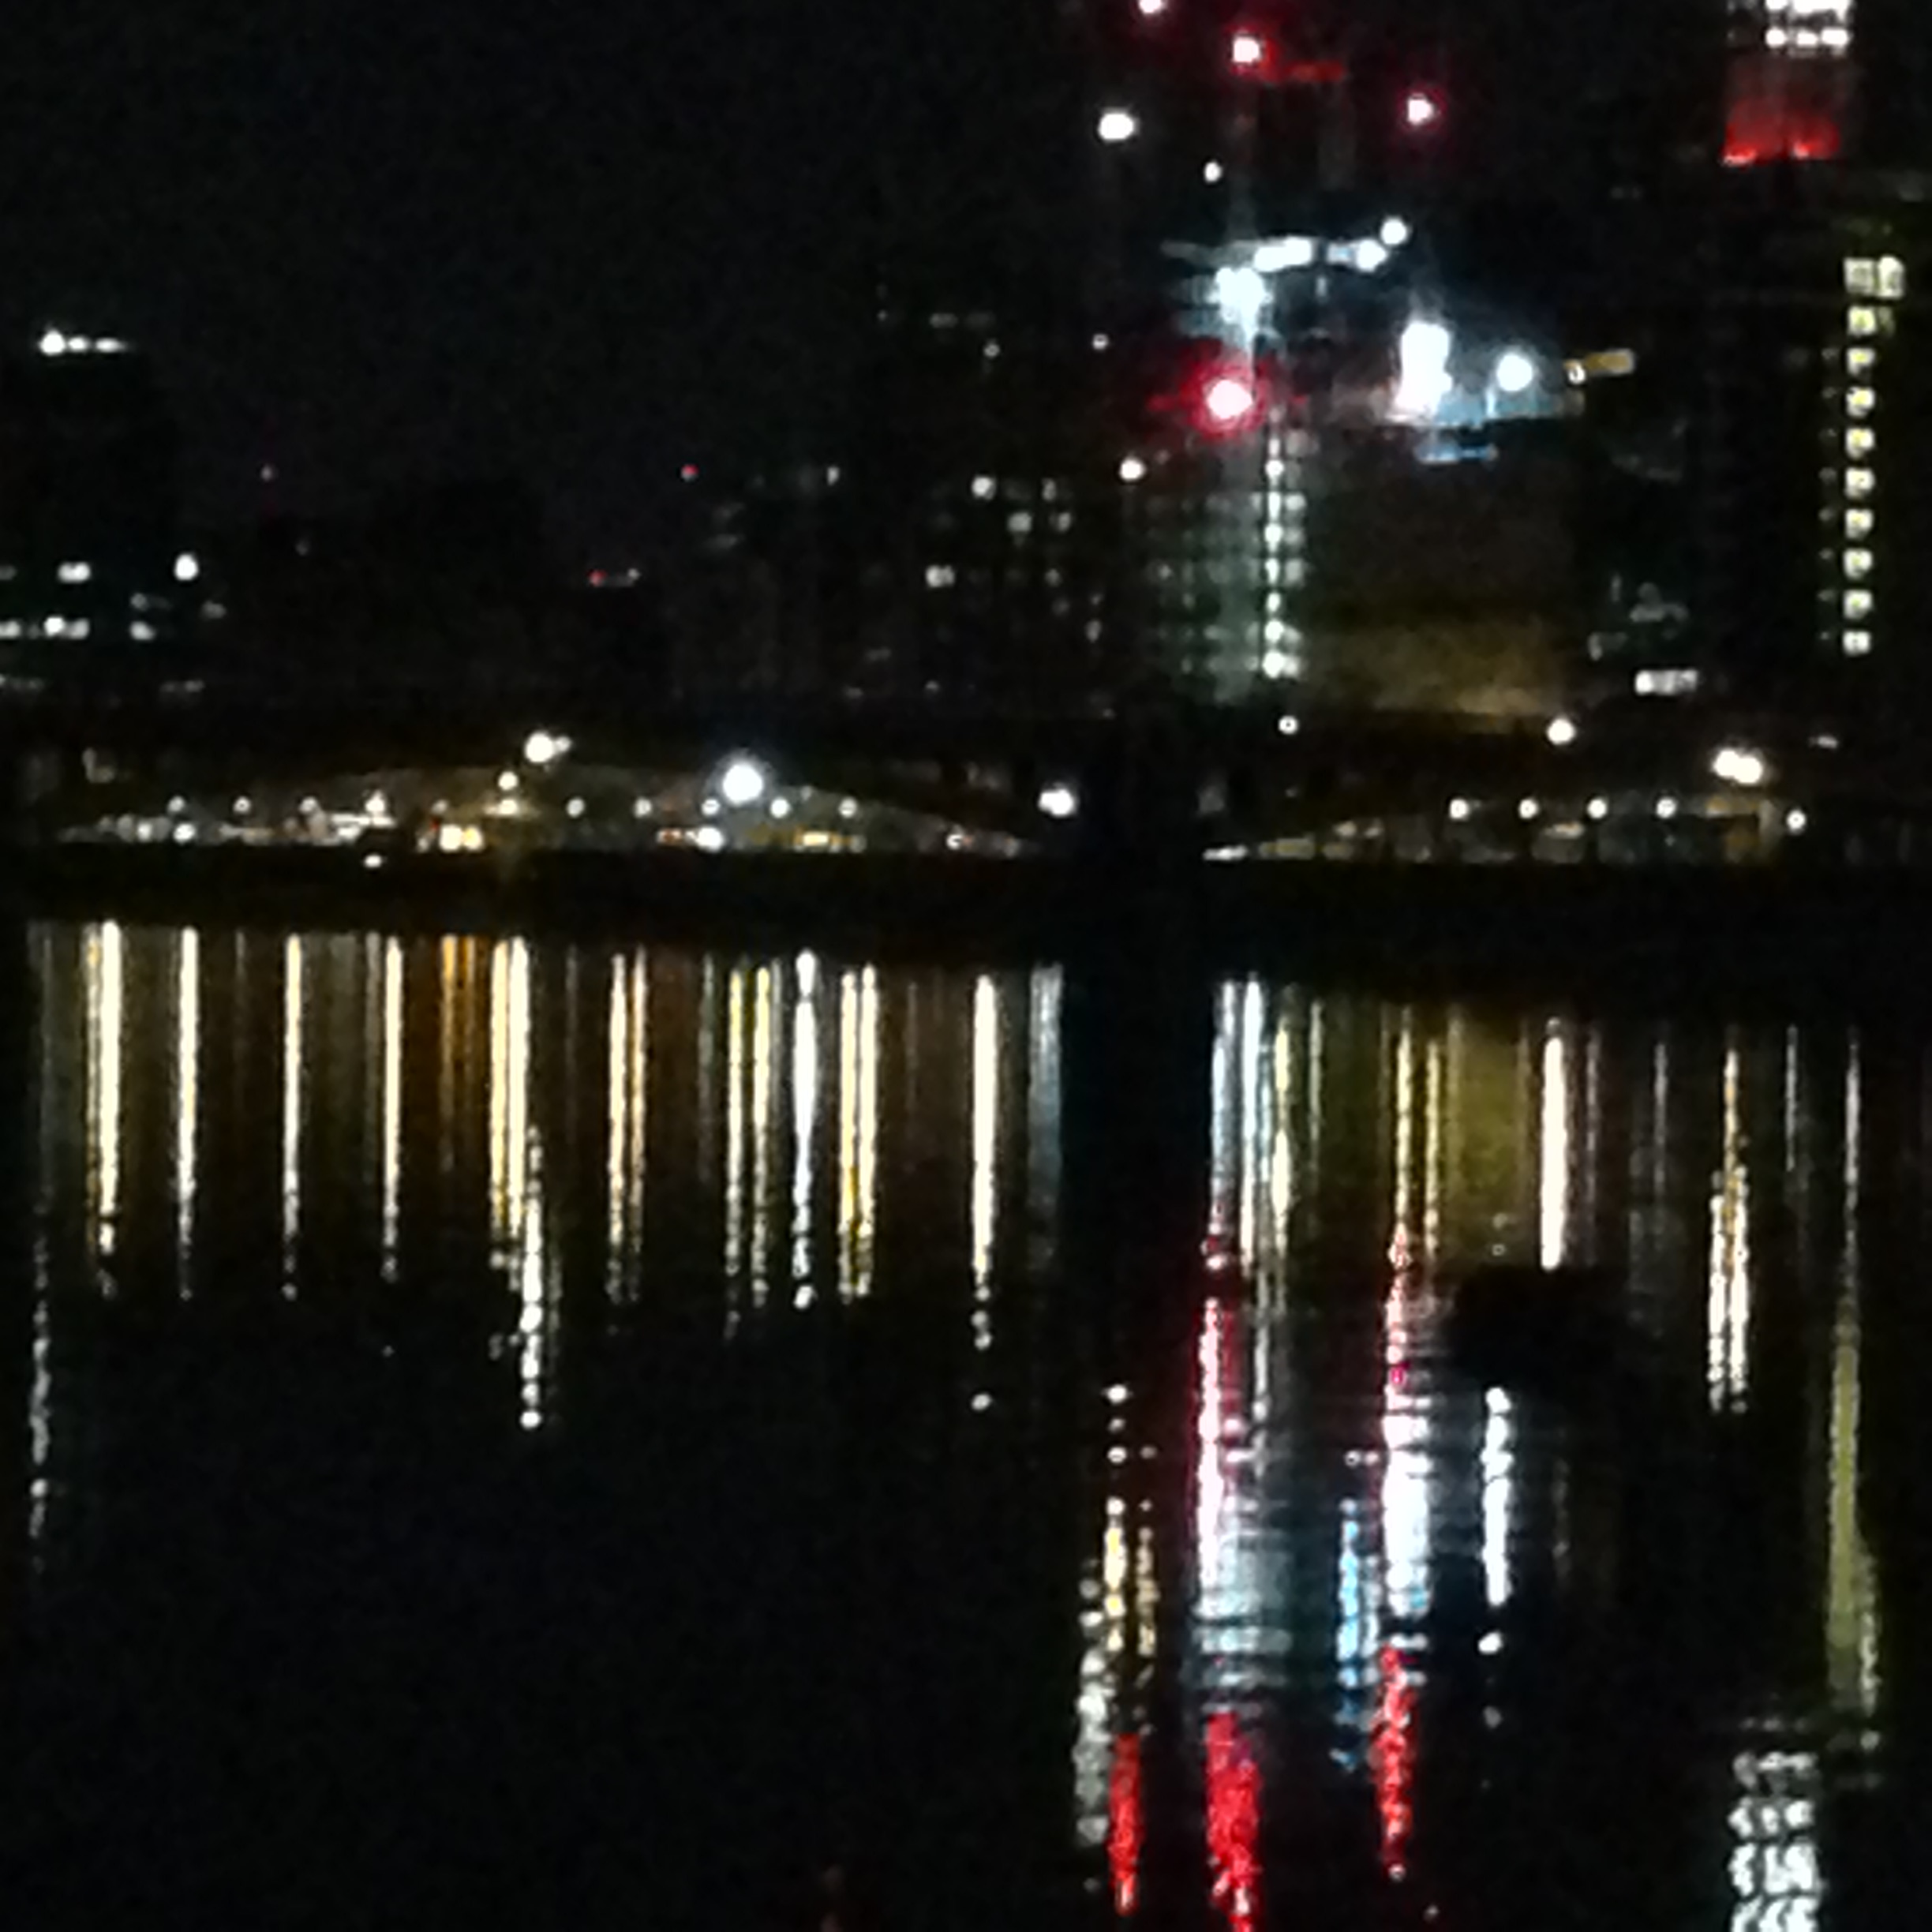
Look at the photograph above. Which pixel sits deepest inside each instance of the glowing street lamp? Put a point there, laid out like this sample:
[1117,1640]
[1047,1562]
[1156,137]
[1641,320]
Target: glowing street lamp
[743,783]
[1118,125]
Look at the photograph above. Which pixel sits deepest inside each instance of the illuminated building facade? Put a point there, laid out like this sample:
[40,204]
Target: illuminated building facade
[1813,451]
[90,548]
[1312,402]
[977,512]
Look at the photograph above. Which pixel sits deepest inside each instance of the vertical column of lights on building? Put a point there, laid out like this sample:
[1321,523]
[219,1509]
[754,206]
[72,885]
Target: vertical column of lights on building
[1874,287]
[1790,81]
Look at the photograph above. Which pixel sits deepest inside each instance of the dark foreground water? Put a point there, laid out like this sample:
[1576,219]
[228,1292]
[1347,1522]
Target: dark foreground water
[515,1435]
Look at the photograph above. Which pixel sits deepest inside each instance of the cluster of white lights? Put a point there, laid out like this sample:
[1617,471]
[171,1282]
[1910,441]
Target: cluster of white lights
[1284,534]
[1734,765]
[1873,286]
[58,342]
[1808,26]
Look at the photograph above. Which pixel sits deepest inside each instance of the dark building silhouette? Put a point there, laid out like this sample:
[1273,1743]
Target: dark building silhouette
[1814,444]
[91,552]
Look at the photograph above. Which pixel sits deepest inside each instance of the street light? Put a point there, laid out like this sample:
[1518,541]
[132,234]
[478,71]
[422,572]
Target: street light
[1118,125]
[742,783]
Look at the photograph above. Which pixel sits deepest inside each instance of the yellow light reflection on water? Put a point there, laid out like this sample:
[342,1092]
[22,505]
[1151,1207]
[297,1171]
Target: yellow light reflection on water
[764,1045]
[805,1099]
[1729,1301]
[736,1028]
[627,1081]
[537,1311]
[1499,1489]
[859,1051]
[1402,1164]
[1252,1140]
[1851,1630]
[294,1071]
[187,1102]
[1554,1160]
[105,970]
[985,1105]
[510,1059]
[392,1023]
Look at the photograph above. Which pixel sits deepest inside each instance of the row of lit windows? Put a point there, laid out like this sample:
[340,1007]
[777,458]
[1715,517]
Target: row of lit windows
[67,630]
[1874,283]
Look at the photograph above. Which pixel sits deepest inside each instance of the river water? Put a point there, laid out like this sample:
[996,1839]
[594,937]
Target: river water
[584,1436]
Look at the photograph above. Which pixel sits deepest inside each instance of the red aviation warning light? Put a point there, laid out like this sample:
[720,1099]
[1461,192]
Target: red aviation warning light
[1230,402]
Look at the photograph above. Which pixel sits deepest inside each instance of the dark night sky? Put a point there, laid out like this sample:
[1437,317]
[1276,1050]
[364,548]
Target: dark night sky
[578,242]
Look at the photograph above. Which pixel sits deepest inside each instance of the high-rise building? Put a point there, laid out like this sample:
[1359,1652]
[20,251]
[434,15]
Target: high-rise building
[1814,462]
[90,547]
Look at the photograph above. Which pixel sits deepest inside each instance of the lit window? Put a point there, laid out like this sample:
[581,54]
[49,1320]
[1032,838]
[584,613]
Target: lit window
[1858,482]
[940,576]
[1858,605]
[1861,321]
[983,487]
[1859,523]
[1861,275]
[1892,278]
[1860,441]
[1858,564]
[1861,401]
[1861,361]
[77,573]
[1020,523]
[1858,643]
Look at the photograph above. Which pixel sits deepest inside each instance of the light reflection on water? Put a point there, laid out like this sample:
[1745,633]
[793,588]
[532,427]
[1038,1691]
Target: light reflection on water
[1311,1564]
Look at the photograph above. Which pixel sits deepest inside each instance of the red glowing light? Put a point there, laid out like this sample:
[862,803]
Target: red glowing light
[1234,1822]
[1126,1826]
[1230,402]
[689,473]
[1783,109]
[1393,1755]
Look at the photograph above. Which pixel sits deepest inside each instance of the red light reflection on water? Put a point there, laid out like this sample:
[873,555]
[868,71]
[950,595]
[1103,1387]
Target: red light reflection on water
[1393,1755]
[1126,1824]
[1234,1822]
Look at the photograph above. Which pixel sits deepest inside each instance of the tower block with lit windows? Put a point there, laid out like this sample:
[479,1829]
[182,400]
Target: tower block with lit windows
[1814,445]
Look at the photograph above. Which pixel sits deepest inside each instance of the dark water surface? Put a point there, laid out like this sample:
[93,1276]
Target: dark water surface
[505,1433]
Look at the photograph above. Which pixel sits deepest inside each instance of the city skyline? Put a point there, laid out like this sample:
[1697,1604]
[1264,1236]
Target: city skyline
[586,252]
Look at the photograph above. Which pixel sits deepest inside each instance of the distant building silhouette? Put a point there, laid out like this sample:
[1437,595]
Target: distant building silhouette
[91,553]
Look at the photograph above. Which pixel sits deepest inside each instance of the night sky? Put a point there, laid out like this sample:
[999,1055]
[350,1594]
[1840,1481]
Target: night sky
[374,242]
